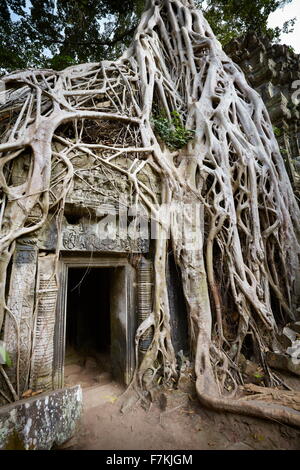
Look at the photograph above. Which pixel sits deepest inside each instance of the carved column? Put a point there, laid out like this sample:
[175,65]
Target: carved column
[145,284]
[43,342]
[19,317]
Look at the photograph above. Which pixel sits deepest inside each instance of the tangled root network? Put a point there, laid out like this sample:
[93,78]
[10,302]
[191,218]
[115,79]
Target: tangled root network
[240,276]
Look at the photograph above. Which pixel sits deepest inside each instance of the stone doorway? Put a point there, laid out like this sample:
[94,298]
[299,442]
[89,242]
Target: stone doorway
[95,321]
[88,330]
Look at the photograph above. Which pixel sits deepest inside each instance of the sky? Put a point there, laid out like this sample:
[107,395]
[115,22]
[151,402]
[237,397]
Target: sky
[283,14]
[276,19]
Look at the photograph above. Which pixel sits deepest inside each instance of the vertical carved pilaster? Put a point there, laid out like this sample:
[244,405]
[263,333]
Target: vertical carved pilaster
[43,343]
[145,285]
[19,317]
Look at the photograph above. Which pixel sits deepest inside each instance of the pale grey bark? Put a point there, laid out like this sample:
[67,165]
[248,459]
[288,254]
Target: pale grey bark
[249,250]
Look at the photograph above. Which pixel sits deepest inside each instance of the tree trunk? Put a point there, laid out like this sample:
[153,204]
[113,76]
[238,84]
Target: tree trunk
[239,277]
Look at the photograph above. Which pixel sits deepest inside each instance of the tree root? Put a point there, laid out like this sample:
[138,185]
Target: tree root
[239,273]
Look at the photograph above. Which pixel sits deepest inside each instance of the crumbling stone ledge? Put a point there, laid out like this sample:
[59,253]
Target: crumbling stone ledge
[283,362]
[39,422]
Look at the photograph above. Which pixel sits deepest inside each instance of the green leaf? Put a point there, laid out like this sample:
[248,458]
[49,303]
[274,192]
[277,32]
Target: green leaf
[277,131]
[258,375]
[5,357]
[171,132]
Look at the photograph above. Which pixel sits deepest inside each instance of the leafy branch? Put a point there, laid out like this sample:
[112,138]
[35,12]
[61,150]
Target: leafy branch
[172,132]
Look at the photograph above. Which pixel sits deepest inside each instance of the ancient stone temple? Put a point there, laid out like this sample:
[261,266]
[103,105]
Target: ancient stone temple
[101,288]
[273,70]
[146,215]
[46,327]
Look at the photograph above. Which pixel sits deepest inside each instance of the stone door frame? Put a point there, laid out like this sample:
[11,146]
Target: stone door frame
[124,310]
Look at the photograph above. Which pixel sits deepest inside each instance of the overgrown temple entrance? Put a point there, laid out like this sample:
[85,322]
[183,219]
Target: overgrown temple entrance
[95,320]
[88,331]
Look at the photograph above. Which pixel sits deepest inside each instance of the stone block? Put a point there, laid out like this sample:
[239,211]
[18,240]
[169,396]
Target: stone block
[284,340]
[294,350]
[283,362]
[295,326]
[288,336]
[39,422]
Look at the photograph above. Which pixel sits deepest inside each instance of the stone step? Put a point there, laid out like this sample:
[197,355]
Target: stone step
[283,362]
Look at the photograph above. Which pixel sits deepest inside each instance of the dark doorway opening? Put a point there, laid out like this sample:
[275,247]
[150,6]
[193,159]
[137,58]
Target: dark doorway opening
[88,332]
[178,311]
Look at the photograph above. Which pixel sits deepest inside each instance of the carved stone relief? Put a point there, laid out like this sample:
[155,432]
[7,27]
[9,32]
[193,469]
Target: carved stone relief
[19,319]
[103,235]
[43,342]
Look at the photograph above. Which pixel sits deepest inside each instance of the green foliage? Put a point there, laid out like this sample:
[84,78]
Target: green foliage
[173,133]
[56,34]
[59,33]
[292,106]
[259,375]
[283,151]
[277,131]
[4,356]
[291,49]
[288,27]
[60,62]
[230,19]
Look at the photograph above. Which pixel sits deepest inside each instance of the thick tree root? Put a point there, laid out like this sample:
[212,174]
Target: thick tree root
[240,272]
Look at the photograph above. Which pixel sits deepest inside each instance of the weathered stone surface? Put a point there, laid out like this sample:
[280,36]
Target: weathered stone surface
[43,345]
[103,235]
[284,340]
[21,305]
[294,350]
[48,235]
[295,326]
[42,421]
[287,337]
[283,362]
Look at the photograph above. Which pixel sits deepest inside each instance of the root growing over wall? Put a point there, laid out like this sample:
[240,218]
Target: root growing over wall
[239,280]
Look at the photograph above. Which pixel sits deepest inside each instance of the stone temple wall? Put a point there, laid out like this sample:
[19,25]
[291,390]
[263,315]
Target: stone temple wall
[273,70]
[99,220]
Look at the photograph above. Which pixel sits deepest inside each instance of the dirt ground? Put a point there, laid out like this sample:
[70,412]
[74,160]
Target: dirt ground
[175,421]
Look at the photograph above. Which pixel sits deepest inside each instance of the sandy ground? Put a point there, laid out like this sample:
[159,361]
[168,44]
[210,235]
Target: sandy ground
[175,421]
